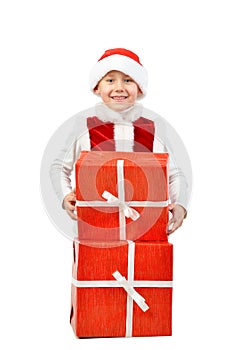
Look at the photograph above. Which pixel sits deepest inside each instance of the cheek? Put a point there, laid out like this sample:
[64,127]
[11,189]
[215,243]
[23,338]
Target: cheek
[104,90]
[105,93]
[133,92]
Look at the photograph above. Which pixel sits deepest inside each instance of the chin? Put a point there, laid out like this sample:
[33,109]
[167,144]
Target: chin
[119,106]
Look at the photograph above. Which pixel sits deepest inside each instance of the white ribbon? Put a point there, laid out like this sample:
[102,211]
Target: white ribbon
[131,291]
[128,212]
[128,285]
[124,209]
[115,284]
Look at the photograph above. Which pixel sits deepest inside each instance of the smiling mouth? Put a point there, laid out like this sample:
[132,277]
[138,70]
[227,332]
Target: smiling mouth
[119,98]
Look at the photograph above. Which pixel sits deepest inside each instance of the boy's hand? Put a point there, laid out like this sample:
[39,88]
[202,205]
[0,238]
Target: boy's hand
[178,215]
[69,202]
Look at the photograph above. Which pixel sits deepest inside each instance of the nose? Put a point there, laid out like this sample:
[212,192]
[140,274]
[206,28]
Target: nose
[119,86]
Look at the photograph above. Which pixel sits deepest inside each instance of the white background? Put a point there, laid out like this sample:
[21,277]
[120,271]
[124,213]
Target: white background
[47,50]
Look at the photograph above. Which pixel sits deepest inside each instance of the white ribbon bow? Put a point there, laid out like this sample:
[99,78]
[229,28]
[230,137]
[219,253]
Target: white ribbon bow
[128,211]
[131,291]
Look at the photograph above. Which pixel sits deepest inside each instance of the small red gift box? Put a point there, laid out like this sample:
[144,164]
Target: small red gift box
[122,289]
[122,195]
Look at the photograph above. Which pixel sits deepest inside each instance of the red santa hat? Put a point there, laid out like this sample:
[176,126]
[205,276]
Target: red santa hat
[122,60]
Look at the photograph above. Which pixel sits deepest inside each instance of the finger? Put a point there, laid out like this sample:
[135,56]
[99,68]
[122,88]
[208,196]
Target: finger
[70,205]
[171,221]
[71,198]
[170,228]
[175,225]
[171,206]
[170,225]
[72,214]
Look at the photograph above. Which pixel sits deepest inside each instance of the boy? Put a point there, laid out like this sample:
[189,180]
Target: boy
[121,124]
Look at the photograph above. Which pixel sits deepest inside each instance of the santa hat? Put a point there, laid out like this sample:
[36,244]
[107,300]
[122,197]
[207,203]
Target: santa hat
[121,60]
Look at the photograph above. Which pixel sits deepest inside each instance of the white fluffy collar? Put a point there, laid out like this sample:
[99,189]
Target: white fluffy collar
[106,114]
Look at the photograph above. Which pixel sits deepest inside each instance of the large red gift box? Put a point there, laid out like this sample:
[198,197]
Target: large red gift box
[122,289]
[122,195]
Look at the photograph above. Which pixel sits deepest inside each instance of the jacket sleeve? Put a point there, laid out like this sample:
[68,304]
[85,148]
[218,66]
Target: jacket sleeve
[62,167]
[68,145]
[180,171]
[72,137]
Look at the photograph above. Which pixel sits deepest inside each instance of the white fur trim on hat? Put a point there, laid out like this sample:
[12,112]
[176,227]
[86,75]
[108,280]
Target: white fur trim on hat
[120,63]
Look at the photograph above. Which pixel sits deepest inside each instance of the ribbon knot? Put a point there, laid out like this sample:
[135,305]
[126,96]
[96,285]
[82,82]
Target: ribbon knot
[131,291]
[127,210]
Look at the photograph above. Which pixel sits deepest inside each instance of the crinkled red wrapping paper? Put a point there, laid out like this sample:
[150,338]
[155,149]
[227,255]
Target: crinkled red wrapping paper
[101,311]
[145,179]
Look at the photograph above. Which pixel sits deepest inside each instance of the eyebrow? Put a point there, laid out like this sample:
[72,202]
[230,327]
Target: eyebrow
[113,74]
[110,74]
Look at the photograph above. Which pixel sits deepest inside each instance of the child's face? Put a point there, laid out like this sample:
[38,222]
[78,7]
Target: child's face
[117,90]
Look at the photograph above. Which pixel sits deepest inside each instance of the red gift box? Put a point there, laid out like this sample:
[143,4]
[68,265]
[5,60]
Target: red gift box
[122,290]
[122,195]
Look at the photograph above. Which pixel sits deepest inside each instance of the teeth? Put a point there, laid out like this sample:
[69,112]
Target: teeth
[119,98]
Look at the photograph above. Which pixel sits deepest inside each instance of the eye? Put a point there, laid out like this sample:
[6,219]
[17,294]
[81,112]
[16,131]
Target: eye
[128,80]
[110,80]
